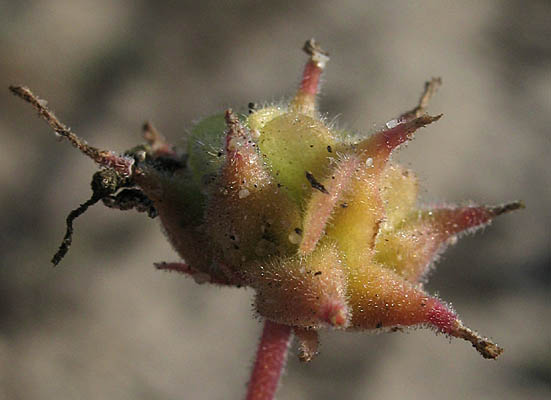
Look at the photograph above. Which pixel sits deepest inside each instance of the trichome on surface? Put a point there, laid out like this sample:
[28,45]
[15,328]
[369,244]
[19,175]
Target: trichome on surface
[321,224]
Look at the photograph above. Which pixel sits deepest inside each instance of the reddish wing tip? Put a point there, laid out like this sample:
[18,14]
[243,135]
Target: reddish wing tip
[447,322]
[379,146]
[335,313]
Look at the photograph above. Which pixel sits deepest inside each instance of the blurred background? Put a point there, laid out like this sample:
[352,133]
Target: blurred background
[106,325]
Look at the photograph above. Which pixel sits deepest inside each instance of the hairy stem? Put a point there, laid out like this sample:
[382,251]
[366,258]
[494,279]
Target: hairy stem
[123,165]
[270,360]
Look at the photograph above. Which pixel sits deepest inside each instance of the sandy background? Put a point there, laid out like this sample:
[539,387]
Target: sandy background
[106,325]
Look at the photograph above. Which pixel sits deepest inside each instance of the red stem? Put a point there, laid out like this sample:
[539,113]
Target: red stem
[270,360]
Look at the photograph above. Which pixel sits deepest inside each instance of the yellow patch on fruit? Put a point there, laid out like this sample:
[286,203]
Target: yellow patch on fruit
[293,144]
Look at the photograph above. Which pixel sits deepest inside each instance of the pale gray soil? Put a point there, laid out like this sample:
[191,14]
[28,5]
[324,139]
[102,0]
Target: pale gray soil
[106,325]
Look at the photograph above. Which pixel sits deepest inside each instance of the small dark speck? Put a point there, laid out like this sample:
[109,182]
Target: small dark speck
[311,145]
[315,184]
[219,154]
[379,325]
[329,149]
[252,107]
[298,231]
[317,273]
[344,205]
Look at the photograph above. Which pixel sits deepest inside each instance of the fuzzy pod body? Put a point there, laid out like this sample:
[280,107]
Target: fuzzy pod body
[326,231]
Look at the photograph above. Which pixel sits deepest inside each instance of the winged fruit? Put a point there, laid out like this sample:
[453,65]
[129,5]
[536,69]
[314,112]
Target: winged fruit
[320,224]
